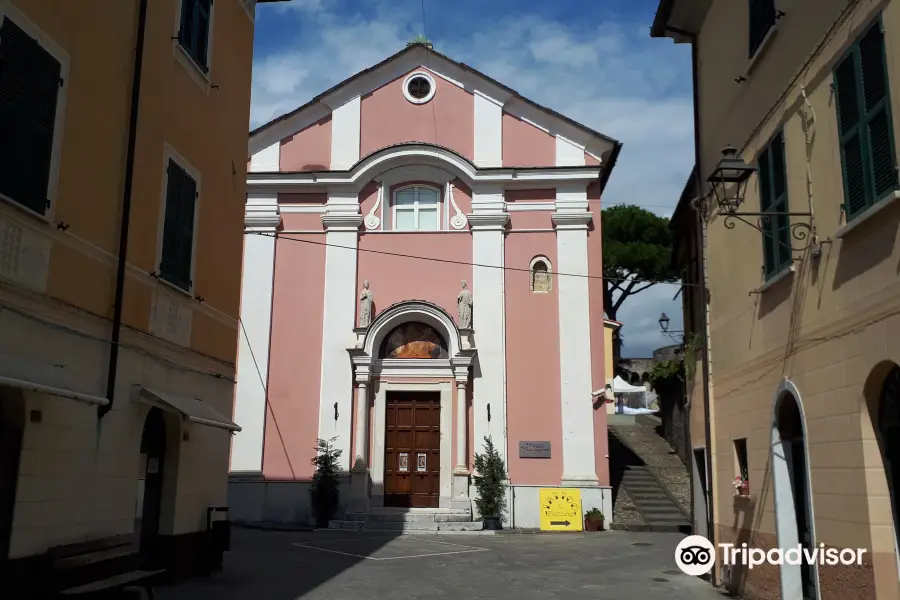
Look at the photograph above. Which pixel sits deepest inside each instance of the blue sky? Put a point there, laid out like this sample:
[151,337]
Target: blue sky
[592,61]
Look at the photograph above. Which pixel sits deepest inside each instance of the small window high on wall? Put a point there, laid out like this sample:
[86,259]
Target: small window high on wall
[541,277]
[416,208]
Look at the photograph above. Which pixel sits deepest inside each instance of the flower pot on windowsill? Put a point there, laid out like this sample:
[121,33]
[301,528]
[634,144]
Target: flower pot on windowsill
[492,523]
[741,487]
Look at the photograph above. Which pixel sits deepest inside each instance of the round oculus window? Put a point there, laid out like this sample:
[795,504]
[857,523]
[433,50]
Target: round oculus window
[418,88]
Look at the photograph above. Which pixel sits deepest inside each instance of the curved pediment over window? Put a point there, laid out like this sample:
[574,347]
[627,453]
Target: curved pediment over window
[414,340]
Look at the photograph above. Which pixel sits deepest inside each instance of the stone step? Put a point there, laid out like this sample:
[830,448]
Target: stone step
[664,513]
[653,501]
[401,526]
[413,516]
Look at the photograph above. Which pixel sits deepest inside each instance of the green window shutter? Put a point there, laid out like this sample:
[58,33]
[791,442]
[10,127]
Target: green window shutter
[204,9]
[194,33]
[773,198]
[761,19]
[883,166]
[765,202]
[178,230]
[29,92]
[868,154]
[783,255]
[849,109]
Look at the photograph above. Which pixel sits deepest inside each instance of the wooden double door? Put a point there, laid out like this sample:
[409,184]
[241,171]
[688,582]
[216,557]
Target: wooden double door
[412,449]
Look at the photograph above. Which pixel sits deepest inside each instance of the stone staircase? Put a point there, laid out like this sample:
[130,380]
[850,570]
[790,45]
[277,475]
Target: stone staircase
[408,520]
[657,508]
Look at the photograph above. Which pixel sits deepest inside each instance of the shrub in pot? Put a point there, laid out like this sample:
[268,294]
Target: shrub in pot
[490,481]
[593,520]
[324,491]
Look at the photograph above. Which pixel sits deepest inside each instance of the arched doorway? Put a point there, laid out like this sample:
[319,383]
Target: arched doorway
[150,482]
[793,500]
[12,427]
[412,448]
[887,431]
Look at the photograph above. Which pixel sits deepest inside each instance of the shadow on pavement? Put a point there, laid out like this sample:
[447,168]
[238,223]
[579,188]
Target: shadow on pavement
[255,568]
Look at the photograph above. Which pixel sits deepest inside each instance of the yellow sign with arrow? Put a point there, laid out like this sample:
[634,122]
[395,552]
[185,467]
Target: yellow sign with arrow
[561,509]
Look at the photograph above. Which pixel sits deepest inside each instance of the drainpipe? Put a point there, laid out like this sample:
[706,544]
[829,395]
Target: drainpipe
[126,212]
[704,295]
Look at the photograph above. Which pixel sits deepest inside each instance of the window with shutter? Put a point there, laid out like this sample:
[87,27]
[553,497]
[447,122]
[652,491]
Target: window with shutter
[773,198]
[178,229]
[762,18]
[29,92]
[868,155]
[193,34]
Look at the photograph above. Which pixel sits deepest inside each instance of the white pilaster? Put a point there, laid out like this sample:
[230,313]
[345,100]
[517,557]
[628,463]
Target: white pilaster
[461,425]
[267,160]
[341,220]
[571,220]
[345,135]
[359,477]
[488,222]
[488,131]
[362,424]
[568,153]
[257,285]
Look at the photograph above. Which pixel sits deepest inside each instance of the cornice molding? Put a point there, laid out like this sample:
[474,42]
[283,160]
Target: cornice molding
[341,222]
[572,220]
[488,221]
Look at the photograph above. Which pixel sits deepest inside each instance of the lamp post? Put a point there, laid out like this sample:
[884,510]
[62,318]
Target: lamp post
[664,327]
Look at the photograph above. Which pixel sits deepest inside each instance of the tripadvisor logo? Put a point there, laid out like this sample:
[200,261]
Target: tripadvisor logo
[695,555]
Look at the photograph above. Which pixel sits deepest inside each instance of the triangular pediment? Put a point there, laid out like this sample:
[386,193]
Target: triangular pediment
[446,71]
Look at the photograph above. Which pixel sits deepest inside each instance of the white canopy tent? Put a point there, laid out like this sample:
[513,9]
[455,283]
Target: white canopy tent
[620,386]
[630,399]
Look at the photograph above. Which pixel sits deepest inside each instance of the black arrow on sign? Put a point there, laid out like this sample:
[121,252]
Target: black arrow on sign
[565,523]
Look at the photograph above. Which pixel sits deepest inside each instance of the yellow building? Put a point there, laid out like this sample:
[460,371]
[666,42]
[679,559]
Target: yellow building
[122,175]
[609,329]
[800,257]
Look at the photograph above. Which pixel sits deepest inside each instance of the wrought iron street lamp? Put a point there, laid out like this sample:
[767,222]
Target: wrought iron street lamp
[729,180]
[664,322]
[664,326]
[729,185]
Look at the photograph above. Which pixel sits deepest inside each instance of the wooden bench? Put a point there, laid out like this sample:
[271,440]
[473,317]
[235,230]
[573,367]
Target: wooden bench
[102,566]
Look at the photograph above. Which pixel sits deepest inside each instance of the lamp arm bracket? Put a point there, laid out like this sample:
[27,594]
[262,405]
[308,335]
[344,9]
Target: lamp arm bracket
[802,232]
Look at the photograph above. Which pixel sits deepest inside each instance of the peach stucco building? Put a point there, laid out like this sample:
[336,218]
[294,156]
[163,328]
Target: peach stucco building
[802,310]
[415,175]
[121,228]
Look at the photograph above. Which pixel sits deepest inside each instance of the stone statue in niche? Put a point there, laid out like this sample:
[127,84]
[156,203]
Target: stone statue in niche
[540,277]
[365,305]
[464,306]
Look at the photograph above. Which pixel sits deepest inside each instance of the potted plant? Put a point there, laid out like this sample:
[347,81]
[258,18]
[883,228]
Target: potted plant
[324,492]
[490,481]
[741,486]
[593,520]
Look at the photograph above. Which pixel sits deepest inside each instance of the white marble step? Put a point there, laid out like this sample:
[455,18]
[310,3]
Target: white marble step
[406,525]
[412,516]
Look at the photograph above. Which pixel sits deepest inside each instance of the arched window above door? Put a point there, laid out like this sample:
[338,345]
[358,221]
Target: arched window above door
[417,208]
[414,340]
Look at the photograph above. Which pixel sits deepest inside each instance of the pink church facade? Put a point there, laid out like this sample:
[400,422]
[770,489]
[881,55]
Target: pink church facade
[367,208]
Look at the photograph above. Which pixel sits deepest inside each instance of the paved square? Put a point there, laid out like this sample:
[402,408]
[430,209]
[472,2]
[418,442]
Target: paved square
[610,565]
[385,547]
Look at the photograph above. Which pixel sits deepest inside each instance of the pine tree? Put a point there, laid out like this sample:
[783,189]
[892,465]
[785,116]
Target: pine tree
[324,491]
[490,481]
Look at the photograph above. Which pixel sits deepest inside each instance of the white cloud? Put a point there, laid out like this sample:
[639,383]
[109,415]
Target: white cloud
[610,76]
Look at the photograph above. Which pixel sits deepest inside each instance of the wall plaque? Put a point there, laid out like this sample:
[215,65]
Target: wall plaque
[534,449]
